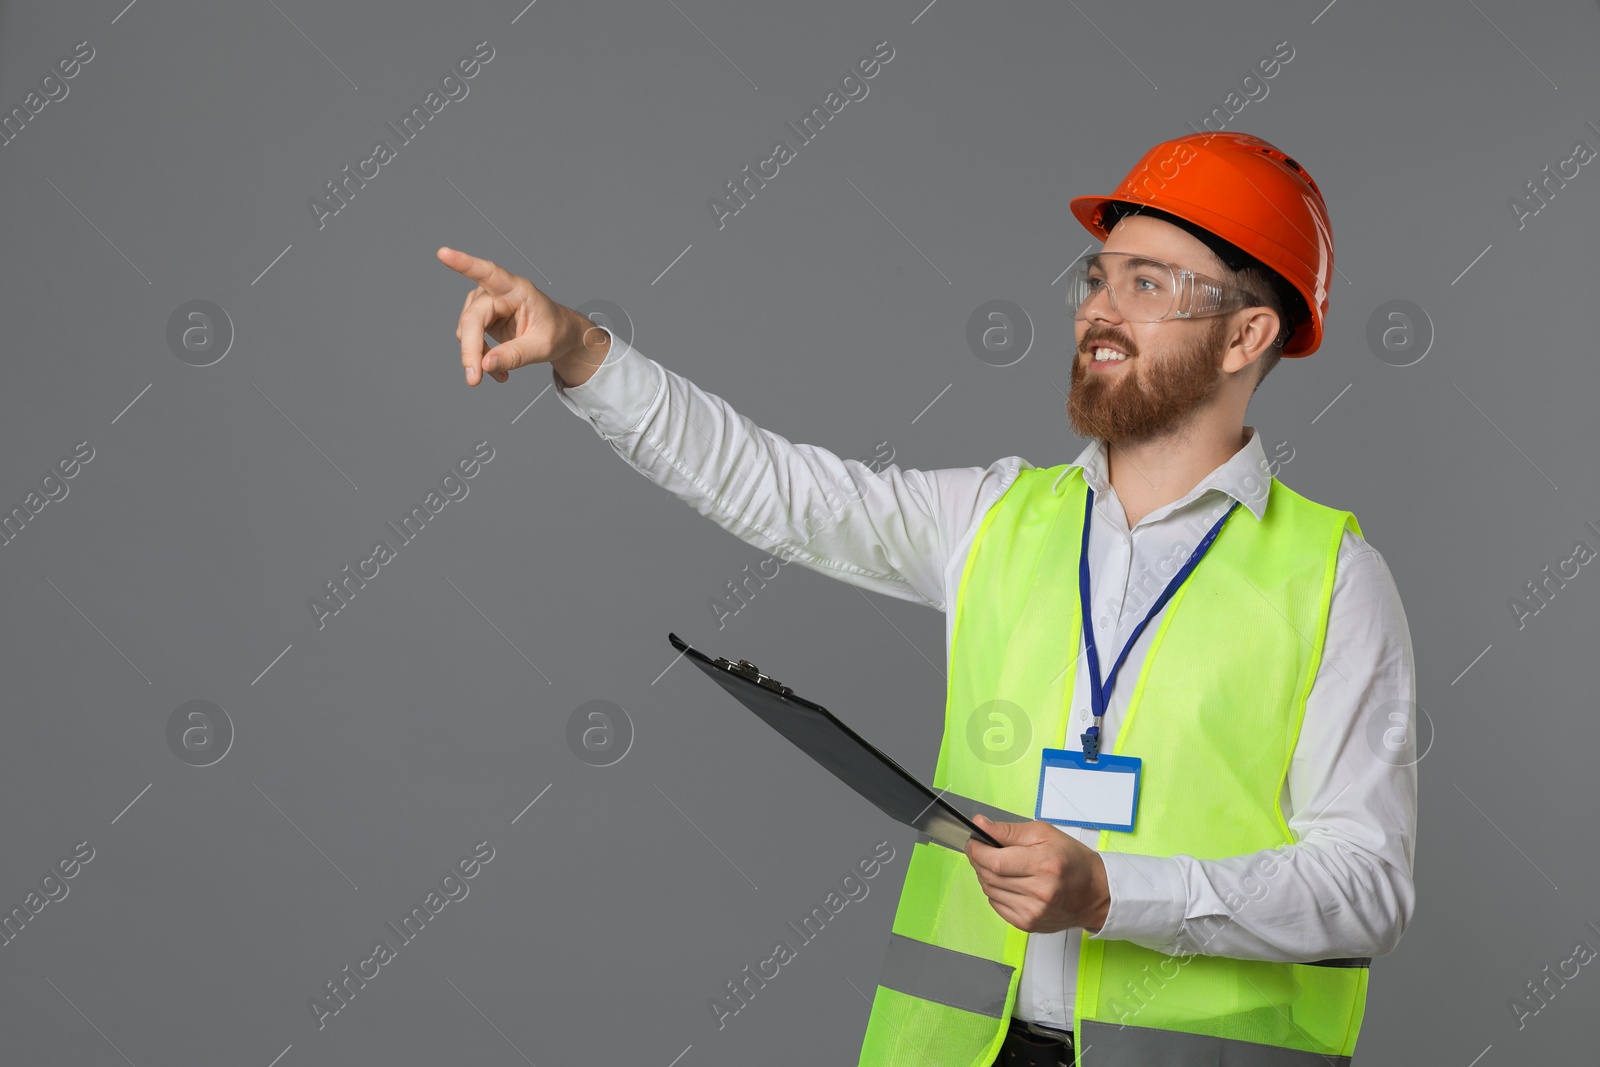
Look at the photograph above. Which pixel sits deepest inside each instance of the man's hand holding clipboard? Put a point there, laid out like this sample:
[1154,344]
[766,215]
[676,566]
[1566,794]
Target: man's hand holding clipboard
[1041,880]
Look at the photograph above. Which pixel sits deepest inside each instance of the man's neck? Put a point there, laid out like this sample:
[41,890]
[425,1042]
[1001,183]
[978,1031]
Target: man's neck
[1152,473]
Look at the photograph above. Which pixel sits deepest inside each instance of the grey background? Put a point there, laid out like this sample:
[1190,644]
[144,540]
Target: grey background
[374,752]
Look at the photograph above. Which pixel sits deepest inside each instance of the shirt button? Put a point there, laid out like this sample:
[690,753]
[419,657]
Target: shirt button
[1083,714]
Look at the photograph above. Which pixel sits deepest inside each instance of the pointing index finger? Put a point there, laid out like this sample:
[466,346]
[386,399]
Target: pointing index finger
[494,278]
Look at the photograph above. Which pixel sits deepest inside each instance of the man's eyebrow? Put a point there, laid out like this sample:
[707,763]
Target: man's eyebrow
[1131,261]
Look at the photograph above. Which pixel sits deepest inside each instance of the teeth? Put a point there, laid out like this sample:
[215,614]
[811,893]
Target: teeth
[1102,355]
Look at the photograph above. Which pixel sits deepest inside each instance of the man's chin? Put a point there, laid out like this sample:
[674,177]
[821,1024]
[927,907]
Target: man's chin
[1091,414]
[1104,425]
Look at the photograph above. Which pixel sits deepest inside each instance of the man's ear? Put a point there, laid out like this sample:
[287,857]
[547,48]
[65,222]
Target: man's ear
[1250,338]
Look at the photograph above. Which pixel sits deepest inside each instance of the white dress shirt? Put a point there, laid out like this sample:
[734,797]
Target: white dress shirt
[1342,889]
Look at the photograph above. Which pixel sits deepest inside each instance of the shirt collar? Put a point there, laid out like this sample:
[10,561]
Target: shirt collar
[1243,477]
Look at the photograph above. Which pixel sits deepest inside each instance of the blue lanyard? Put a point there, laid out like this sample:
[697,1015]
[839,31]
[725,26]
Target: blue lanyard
[1098,691]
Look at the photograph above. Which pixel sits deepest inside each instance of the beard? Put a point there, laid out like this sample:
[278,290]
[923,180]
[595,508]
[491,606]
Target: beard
[1142,406]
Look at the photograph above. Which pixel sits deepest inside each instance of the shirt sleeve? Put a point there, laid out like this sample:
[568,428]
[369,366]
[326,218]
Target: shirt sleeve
[1344,888]
[881,528]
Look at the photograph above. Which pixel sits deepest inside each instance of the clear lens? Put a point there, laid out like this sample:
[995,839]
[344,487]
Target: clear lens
[1139,288]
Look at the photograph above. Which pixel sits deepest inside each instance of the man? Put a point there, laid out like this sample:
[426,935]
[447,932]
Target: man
[1241,642]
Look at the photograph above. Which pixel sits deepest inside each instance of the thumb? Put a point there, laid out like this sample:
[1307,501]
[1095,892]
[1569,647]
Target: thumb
[517,352]
[1003,832]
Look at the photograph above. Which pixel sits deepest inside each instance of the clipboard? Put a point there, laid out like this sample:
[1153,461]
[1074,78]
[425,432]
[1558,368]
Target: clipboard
[820,734]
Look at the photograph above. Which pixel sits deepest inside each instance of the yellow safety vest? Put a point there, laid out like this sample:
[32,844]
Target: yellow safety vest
[1214,715]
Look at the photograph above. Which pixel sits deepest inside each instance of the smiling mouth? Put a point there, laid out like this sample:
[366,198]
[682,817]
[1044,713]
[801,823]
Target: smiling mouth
[1100,355]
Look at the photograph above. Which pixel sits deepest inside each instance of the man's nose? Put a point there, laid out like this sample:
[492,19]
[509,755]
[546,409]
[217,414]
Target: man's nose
[1101,308]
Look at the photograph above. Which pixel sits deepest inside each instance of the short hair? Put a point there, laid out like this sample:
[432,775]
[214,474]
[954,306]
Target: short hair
[1269,289]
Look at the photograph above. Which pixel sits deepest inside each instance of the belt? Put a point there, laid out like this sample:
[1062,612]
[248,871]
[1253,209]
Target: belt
[1032,1045]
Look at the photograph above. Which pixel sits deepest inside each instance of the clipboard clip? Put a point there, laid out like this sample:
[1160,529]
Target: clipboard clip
[745,669]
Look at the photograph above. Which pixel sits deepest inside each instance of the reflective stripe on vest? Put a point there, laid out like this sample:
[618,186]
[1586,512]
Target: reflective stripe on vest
[1108,1045]
[956,979]
[1215,713]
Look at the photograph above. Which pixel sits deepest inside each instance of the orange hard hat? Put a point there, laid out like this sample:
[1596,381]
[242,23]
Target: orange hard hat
[1244,191]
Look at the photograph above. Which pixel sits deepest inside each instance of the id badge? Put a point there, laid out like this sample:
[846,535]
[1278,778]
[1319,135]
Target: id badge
[1103,795]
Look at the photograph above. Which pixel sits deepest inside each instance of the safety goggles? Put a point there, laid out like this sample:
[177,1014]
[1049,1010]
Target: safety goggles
[1142,289]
